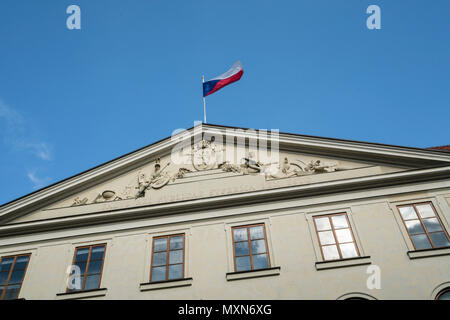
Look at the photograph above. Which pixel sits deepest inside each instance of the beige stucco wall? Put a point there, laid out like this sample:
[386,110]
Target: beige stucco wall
[209,256]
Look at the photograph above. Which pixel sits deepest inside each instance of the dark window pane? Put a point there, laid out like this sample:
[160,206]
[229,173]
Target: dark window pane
[414,226]
[260,261]
[159,273]
[92,282]
[16,276]
[258,246]
[445,295]
[176,242]
[176,257]
[243,263]
[439,239]
[11,292]
[82,254]
[21,262]
[6,264]
[176,271]
[95,266]
[241,248]
[240,234]
[82,266]
[159,258]
[75,281]
[421,241]
[432,224]
[160,244]
[3,278]
[256,233]
[97,253]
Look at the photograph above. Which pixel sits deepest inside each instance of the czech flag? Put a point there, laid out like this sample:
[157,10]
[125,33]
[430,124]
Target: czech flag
[232,75]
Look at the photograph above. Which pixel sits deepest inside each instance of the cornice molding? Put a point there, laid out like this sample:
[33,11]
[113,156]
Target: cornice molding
[331,187]
[401,156]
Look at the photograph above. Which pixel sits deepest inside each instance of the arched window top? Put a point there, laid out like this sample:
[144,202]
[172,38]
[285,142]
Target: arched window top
[443,294]
[356,296]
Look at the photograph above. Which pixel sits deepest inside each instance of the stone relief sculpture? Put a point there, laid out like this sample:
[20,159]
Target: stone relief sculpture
[206,155]
[227,167]
[300,168]
[107,195]
[158,179]
[285,170]
[180,174]
[317,167]
[78,202]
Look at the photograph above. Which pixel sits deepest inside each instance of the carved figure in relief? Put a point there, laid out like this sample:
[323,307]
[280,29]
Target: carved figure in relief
[78,202]
[228,167]
[206,155]
[250,165]
[142,181]
[180,174]
[317,167]
[300,168]
[157,180]
[285,170]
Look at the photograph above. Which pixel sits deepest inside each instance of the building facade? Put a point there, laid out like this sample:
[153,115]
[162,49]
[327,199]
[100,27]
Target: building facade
[211,213]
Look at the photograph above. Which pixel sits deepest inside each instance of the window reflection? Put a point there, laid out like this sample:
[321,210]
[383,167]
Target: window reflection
[423,226]
[444,294]
[12,272]
[250,248]
[90,261]
[335,237]
[167,258]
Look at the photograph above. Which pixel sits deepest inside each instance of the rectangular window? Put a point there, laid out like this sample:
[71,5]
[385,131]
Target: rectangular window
[335,237]
[250,248]
[90,261]
[424,226]
[167,258]
[12,272]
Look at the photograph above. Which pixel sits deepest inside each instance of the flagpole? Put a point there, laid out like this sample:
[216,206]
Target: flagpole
[204,103]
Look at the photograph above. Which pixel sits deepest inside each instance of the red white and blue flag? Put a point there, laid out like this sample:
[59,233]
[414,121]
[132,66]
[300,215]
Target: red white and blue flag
[232,75]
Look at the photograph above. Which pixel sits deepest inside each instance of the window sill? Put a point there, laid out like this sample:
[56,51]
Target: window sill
[425,253]
[82,294]
[185,282]
[253,273]
[332,264]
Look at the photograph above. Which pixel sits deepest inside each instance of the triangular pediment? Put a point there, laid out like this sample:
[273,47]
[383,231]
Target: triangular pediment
[209,161]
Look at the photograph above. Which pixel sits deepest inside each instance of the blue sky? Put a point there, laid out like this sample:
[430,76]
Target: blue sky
[73,99]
